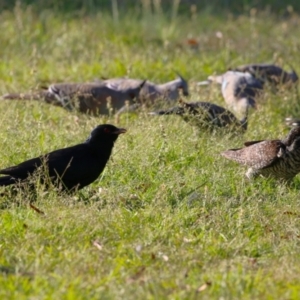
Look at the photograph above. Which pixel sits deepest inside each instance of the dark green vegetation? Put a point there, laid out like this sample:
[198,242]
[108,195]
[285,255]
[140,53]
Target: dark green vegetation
[169,217]
[167,6]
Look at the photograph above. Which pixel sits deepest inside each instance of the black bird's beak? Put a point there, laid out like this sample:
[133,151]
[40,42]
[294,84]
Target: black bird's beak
[120,130]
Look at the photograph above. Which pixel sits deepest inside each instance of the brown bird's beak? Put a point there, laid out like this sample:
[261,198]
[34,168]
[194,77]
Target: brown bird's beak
[120,130]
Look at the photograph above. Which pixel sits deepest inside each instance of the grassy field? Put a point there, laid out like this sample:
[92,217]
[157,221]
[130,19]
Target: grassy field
[169,217]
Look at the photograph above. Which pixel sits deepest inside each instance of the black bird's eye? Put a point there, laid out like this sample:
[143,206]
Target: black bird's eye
[107,130]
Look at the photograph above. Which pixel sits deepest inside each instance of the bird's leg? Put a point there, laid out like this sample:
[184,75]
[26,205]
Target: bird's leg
[281,152]
[67,104]
[251,173]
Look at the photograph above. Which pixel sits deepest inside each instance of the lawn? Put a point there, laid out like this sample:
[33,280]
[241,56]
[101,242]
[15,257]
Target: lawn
[169,217]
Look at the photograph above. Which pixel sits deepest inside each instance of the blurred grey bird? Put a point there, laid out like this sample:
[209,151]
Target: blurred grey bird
[279,159]
[205,115]
[93,98]
[239,89]
[151,91]
[270,73]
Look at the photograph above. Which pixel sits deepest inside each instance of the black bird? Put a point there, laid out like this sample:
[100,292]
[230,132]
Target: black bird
[69,168]
[205,115]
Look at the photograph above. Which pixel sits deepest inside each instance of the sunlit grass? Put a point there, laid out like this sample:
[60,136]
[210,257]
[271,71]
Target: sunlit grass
[169,217]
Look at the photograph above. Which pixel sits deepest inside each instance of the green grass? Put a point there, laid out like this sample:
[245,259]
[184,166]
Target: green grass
[169,217]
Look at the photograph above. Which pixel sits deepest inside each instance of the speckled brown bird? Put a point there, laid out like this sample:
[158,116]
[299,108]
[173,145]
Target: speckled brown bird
[279,159]
[205,115]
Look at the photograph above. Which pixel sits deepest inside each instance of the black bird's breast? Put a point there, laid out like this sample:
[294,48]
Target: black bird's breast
[78,166]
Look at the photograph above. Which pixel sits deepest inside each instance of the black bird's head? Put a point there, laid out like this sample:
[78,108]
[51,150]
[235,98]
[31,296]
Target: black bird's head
[105,133]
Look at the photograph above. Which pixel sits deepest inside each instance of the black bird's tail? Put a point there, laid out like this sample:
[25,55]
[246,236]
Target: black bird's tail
[7,180]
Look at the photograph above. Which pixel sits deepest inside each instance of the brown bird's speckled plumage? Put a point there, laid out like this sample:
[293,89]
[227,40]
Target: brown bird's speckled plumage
[205,115]
[279,159]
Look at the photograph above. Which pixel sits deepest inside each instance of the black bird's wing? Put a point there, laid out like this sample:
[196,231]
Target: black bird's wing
[22,170]
[58,160]
[79,165]
[76,165]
